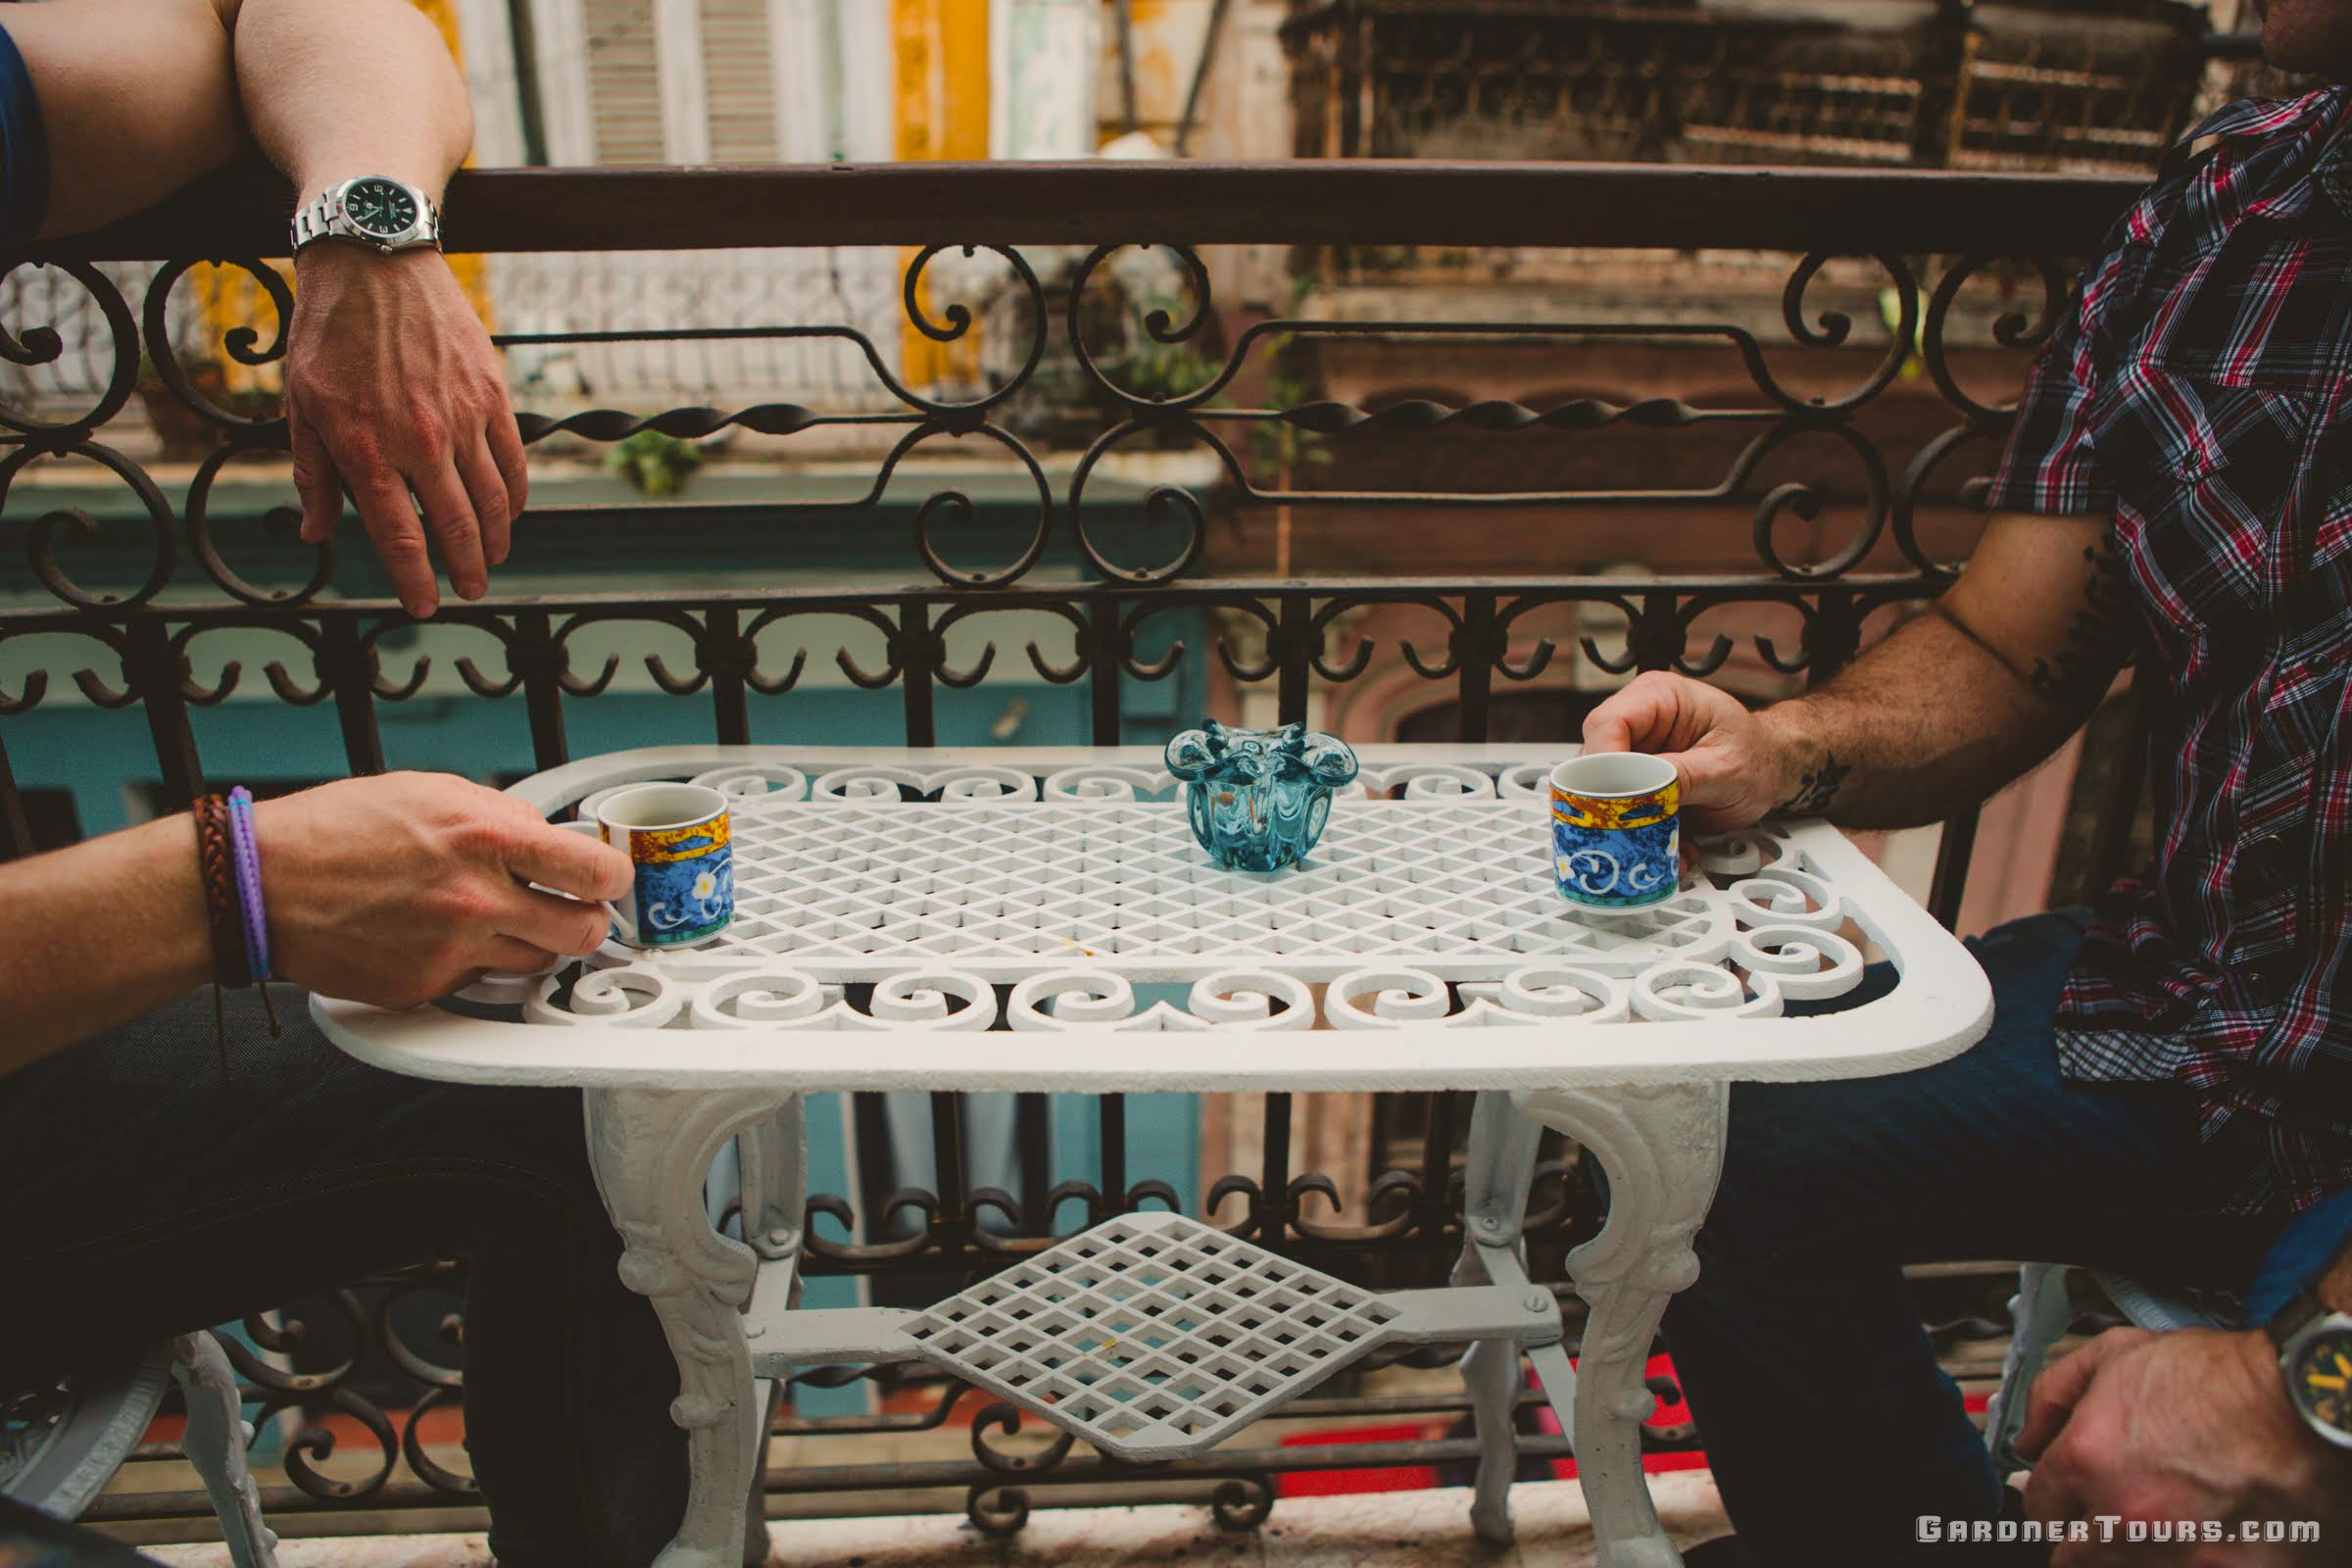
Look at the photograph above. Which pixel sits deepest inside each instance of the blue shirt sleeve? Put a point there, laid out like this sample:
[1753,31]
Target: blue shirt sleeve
[23,152]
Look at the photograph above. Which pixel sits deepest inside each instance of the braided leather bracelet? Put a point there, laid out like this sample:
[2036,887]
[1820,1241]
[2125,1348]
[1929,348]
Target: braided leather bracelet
[217,866]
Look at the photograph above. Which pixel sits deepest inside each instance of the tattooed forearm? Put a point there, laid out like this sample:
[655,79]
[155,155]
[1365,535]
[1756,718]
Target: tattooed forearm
[2098,637]
[1936,717]
[1816,788]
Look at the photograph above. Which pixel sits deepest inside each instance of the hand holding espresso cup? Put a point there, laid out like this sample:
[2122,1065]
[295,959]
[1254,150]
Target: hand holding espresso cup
[1731,767]
[400,888]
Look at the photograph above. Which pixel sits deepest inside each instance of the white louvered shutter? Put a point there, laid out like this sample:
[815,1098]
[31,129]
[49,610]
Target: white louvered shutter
[624,81]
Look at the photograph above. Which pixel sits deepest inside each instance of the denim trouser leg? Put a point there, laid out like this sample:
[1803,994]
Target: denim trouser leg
[1829,1425]
[2300,1255]
[140,1195]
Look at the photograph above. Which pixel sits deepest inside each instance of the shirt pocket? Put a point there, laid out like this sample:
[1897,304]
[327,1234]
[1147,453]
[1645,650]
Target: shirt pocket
[2210,482]
[2267,310]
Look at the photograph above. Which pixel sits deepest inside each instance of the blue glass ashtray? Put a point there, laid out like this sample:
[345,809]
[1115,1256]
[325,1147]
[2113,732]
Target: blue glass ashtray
[1260,797]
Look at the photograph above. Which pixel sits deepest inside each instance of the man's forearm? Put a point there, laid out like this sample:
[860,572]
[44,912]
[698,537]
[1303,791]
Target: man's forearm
[2008,664]
[97,934]
[336,88]
[1928,724]
[137,97]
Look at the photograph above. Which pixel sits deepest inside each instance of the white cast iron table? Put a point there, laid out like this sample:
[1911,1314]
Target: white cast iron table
[1445,961]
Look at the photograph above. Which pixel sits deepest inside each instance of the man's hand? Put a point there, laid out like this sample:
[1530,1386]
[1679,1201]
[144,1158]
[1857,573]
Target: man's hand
[1734,766]
[402,888]
[2193,1425]
[392,387]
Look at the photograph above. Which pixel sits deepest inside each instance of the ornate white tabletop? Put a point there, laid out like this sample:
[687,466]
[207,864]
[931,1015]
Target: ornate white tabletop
[1070,876]
[982,920]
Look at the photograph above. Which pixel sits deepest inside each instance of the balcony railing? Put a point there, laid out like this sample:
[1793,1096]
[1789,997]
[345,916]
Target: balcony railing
[1812,475]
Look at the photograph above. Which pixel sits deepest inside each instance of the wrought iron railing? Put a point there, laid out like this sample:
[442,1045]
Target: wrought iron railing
[1886,274]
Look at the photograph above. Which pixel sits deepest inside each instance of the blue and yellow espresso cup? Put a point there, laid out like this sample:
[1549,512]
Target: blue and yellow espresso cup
[679,843]
[1615,843]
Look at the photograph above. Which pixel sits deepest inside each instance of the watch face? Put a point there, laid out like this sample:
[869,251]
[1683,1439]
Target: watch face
[380,207]
[2321,1378]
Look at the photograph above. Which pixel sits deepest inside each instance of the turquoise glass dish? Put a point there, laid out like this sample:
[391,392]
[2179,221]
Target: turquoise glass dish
[1258,797]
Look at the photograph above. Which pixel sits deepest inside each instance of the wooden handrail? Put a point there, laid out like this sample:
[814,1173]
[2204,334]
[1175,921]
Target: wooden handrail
[242,210]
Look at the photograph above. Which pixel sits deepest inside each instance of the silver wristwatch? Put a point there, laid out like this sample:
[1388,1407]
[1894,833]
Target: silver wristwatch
[373,210]
[2315,1351]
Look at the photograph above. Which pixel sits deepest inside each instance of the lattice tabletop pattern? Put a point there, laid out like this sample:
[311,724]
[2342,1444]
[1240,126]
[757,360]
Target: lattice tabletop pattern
[851,892]
[1152,1334]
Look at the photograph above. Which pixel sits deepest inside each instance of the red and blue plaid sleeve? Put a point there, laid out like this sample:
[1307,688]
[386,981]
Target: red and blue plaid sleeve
[2051,465]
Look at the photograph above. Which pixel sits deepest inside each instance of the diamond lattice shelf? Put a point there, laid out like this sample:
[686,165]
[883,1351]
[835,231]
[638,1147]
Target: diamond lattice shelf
[1153,1335]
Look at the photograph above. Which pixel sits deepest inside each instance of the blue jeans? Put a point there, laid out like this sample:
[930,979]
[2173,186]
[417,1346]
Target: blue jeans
[1823,1411]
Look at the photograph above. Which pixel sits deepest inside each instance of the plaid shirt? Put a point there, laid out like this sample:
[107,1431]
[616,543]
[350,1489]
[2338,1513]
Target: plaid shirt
[2201,390]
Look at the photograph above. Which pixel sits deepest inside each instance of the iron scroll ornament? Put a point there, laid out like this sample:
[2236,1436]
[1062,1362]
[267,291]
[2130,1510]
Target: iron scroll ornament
[1784,417]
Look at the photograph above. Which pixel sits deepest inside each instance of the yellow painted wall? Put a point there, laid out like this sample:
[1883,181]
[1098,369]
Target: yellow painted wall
[444,15]
[942,113]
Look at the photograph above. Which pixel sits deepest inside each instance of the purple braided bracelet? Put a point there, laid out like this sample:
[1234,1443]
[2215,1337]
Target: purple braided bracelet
[246,851]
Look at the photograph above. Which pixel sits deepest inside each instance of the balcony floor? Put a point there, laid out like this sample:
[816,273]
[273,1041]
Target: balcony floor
[1382,1530]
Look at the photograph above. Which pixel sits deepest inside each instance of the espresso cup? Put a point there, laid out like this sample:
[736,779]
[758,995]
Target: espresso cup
[681,852]
[1615,841]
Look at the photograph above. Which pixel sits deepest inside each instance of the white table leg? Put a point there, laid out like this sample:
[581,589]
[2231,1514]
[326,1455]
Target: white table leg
[1662,1148]
[216,1434]
[1499,1166]
[651,1150]
[2039,1315]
